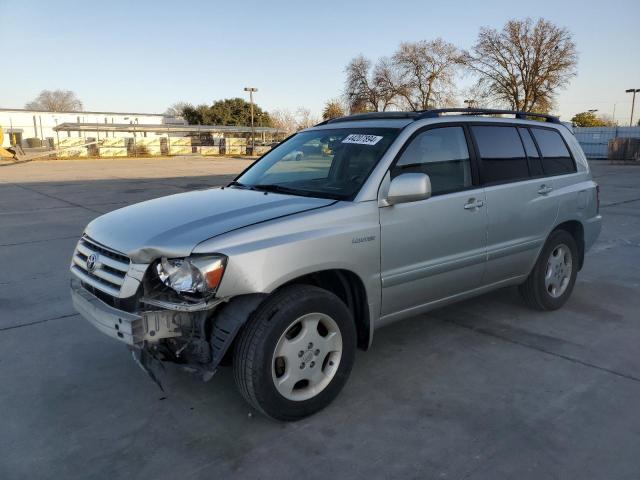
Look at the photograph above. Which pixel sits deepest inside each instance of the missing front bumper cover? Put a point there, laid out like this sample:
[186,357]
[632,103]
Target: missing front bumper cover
[152,336]
[149,362]
[123,326]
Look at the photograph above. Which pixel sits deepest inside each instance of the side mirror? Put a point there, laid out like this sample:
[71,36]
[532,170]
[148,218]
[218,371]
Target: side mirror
[409,187]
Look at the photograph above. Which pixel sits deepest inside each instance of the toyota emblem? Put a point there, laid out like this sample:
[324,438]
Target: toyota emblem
[92,262]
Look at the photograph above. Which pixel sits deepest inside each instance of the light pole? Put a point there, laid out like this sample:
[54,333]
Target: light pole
[253,133]
[133,123]
[57,133]
[633,102]
[593,110]
[470,103]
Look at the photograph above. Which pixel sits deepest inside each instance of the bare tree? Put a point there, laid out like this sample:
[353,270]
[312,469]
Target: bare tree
[283,119]
[289,122]
[418,76]
[178,109]
[388,83]
[361,92]
[525,64]
[55,101]
[423,73]
[608,120]
[305,118]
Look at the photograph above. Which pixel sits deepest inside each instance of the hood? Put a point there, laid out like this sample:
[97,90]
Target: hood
[172,226]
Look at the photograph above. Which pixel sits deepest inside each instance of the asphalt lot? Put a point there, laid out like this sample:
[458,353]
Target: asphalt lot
[485,389]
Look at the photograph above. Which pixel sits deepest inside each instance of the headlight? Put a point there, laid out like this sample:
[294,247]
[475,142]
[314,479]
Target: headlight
[192,274]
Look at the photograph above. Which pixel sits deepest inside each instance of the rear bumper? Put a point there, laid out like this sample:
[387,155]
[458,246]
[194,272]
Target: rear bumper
[123,326]
[592,229]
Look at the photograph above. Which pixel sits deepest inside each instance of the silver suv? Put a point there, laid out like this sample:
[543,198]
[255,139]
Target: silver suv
[291,267]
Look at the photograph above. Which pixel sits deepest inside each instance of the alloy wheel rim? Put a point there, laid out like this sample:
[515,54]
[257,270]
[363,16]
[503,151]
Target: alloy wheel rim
[558,273]
[306,357]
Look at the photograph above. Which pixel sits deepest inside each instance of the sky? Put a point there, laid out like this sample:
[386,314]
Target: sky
[142,56]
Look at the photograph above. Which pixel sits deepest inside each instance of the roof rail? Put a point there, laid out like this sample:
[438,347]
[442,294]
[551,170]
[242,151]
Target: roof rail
[435,113]
[373,116]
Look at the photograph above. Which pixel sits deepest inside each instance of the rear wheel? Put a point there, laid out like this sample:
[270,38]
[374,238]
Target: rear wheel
[551,281]
[295,353]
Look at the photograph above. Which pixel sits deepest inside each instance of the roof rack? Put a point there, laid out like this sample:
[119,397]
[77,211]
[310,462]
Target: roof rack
[435,113]
[373,116]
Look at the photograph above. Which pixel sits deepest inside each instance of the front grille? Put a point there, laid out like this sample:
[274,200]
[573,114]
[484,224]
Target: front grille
[109,269]
[129,304]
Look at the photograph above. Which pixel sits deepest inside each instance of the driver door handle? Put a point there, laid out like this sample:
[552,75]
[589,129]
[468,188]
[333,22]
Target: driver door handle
[472,204]
[545,189]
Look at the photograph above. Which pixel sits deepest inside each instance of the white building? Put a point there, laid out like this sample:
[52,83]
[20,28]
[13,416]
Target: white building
[19,124]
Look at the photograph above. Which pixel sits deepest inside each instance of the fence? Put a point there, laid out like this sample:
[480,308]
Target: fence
[110,147]
[72,140]
[595,140]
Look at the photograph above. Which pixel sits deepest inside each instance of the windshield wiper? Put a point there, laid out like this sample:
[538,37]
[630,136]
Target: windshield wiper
[269,187]
[239,185]
[272,187]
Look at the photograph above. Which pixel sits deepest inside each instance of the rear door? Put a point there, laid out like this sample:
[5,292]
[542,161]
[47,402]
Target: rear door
[521,206]
[434,248]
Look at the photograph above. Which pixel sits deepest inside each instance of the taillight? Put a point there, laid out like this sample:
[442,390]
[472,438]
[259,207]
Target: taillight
[597,198]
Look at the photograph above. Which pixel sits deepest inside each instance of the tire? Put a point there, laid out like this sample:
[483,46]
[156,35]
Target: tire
[275,349]
[549,286]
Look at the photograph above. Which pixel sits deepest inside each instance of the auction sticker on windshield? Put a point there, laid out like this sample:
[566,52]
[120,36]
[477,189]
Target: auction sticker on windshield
[362,139]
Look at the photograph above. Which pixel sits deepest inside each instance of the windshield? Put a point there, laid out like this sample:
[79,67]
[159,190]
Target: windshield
[320,163]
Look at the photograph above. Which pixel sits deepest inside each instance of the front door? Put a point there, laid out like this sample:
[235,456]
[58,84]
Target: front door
[435,248]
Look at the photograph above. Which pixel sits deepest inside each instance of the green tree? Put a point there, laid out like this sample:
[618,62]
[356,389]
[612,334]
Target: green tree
[590,119]
[230,111]
[332,109]
[234,111]
[194,115]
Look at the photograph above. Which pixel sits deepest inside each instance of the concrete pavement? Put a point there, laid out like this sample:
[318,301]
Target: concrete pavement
[485,389]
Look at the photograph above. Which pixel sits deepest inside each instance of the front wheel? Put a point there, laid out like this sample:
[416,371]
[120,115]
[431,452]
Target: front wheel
[551,281]
[295,353]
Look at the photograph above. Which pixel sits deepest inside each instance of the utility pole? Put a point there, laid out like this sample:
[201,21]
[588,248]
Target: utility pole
[633,102]
[253,133]
[57,133]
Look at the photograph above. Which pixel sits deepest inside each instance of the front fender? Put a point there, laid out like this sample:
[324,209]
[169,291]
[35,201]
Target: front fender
[345,236]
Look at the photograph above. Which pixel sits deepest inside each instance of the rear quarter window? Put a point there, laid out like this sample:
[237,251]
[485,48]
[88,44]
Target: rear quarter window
[501,152]
[556,159]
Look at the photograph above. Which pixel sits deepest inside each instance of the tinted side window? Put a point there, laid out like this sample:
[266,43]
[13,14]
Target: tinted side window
[556,158]
[535,162]
[442,154]
[502,154]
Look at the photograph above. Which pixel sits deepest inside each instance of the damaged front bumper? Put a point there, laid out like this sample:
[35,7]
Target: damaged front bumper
[152,335]
[124,326]
[135,329]
[120,325]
